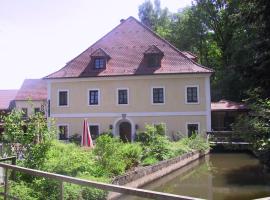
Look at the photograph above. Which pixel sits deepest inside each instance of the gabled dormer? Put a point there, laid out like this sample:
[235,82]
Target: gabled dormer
[99,59]
[153,56]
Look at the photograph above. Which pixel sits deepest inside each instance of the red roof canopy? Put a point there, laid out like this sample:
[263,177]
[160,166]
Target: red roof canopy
[126,45]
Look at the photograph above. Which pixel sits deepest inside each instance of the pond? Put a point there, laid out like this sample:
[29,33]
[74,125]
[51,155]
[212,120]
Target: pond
[218,176]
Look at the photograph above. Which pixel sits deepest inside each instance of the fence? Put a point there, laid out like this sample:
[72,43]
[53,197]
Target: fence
[82,182]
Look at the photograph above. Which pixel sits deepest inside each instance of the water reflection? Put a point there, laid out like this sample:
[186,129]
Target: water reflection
[217,176]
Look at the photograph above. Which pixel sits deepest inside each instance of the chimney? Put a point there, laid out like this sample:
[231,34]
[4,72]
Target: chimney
[122,20]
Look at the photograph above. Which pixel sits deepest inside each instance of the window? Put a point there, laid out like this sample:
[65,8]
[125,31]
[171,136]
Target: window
[94,131]
[63,132]
[36,110]
[94,97]
[158,95]
[122,96]
[192,128]
[100,63]
[153,60]
[25,112]
[63,98]
[192,94]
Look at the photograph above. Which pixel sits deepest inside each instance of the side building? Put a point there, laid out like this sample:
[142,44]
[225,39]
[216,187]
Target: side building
[129,78]
[32,97]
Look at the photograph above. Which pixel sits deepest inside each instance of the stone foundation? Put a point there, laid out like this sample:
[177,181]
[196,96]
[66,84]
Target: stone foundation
[144,175]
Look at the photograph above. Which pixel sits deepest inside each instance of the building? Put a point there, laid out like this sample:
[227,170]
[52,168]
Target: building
[129,78]
[224,114]
[32,97]
[6,104]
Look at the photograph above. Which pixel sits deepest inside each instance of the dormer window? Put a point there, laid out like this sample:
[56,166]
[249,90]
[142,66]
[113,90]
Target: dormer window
[100,63]
[153,56]
[99,59]
[153,60]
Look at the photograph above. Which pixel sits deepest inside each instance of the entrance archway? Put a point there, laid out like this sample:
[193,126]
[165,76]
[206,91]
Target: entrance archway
[125,131]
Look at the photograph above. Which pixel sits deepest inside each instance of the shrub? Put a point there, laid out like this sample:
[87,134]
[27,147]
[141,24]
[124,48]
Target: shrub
[23,191]
[75,138]
[108,154]
[132,154]
[68,159]
[159,147]
[196,142]
[155,143]
[150,160]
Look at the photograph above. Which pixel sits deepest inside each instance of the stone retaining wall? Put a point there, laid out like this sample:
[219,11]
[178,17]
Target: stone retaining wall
[144,175]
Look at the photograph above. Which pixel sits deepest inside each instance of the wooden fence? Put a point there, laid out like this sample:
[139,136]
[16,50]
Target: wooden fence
[103,186]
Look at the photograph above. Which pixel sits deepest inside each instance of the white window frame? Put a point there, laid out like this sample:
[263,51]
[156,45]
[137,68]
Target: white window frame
[117,98]
[198,123]
[152,95]
[58,97]
[95,125]
[88,96]
[58,128]
[198,94]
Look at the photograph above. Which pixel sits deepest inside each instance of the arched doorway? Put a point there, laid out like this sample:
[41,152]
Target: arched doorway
[125,131]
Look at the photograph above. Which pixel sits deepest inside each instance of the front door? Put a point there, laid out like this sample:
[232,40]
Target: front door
[125,131]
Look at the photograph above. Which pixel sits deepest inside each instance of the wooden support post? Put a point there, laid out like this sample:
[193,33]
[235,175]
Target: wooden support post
[13,173]
[61,190]
[6,184]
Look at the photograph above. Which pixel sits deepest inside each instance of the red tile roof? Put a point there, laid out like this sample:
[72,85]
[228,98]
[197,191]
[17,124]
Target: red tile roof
[32,89]
[6,96]
[126,45]
[224,105]
[190,55]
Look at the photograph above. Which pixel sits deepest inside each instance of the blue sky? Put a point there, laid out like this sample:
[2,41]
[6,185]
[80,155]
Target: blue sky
[37,37]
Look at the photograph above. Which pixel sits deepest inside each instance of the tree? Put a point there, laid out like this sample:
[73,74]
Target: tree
[31,137]
[155,18]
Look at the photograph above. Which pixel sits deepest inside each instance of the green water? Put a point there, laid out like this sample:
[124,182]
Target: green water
[219,176]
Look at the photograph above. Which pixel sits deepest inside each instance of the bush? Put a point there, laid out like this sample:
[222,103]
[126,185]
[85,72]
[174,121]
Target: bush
[69,159]
[108,154]
[132,154]
[23,191]
[155,143]
[75,138]
[151,131]
[196,142]
[150,160]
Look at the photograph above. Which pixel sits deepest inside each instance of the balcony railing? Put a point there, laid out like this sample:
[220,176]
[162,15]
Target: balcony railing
[103,186]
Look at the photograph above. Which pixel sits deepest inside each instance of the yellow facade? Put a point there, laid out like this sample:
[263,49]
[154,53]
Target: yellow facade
[175,112]
[31,105]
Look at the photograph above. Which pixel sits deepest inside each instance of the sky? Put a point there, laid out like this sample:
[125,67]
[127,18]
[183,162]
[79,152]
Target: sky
[38,37]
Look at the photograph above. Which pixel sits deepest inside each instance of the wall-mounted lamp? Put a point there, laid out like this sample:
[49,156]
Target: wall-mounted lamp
[136,126]
[111,126]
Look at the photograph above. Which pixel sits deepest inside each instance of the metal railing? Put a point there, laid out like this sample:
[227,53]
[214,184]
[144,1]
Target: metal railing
[82,182]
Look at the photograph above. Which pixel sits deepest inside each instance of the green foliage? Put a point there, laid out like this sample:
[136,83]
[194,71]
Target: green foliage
[32,136]
[196,142]
[75,138]
[255,128]
[131,154]
[68,159]
[109,156]
[155,143]
[23,191]
[150,160]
